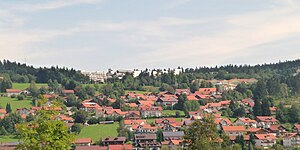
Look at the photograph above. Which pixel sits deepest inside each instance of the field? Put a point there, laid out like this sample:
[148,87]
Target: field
[4,139]
[99,131]
[168,113]
[137,92]
[15,103]
[22,86]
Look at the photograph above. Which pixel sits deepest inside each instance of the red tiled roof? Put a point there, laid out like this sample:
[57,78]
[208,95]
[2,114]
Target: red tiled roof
[266,119]
[176,142]
[68,91]
[234,128]
[192,97]
[134,122]
[218,120]
[120,147]
[13,91]
[265,136]
[83,141]
[2,111]
[247,120]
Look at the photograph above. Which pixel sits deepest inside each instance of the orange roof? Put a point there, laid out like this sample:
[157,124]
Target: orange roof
[218,120]
[2,111]
[90,105]
[265,136]
[134,122]
[234,128]
[65,118]
[176,142]
[83,141]
[13,91]
[226,102]
[192,97]
[68,91]
[266,119]
[160,120]
[120,147]
[247,120]
[213,105]
[273,108]
[297,126]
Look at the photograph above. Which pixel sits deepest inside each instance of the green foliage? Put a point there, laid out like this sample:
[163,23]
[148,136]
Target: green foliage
[34,92]
[8,108]
[6,83]
[80,116]
[76,127]
[45,133]
[203,134]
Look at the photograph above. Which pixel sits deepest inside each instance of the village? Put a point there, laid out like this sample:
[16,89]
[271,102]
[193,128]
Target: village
[148,126]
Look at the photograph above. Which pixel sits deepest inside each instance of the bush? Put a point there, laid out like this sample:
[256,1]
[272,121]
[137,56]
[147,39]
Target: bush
[13,96]
[76,128]
[93,121]
[20,97]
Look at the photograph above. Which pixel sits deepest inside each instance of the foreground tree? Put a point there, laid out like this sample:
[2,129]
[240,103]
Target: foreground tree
[203,135]
[45,133]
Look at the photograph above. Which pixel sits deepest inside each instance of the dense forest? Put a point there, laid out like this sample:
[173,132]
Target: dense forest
[23,73]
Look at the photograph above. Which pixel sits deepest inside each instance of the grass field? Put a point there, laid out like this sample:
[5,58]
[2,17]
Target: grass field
[22,86]
[137,92]
[99,131]
[14,103]
[172,112]
[4,139]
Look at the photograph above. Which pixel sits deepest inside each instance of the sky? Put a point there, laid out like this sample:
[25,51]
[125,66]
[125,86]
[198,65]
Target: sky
[95,35]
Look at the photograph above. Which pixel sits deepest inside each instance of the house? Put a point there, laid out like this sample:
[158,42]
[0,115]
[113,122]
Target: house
[192,97]
[130,122]
[68,92]
[182,91]
[23,111]
[133,115]
[2,113]
[249,123]
[167,100]
[296,128]
[291,140]
[173,135]
[176,144]
[120,147]
[150,111]
[207,91]
[273,110]
[11,92]
[234,130]
[264,140]
[88,105]
[266,121]
[93,147]
[144,128]
[114,141]
[65,118]
[222,122]
[83,142]
[257,131]
[248,102]
[277,129]
[147,140]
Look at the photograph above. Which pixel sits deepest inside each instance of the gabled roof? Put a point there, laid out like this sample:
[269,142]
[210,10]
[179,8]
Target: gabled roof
[247,120]
[276,127]
[234,128]
[219,120]
[265,136]
[83,141]
[176,142]
[120,147]
[266,119]
[2,111]
[68,91]
[13,91]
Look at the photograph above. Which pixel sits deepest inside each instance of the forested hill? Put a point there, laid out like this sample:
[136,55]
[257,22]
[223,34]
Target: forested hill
[23,73]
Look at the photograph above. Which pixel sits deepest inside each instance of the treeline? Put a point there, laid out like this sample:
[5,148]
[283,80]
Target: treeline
[22,73]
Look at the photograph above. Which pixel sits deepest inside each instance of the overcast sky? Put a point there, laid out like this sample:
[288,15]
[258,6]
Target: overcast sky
[126,34]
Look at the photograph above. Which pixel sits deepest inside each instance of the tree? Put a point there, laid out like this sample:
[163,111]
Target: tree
[265,107]
[257,107]
[80,116]
[260,91]
[8,108]
[45,133]
[5,84]
[159,135]
[76,127]
[33,89]
[203,134]
[194,87]
[3,131]
[181,100]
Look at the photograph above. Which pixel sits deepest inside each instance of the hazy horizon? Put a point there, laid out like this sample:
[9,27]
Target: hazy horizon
[95,35]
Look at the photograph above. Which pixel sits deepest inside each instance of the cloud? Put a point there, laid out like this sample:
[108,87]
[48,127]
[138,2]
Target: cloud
[49,5]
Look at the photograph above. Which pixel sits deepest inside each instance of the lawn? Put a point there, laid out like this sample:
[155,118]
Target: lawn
[4,139]
[22,86]
[15,103]
[135,91]
[168,113]
[96,132]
